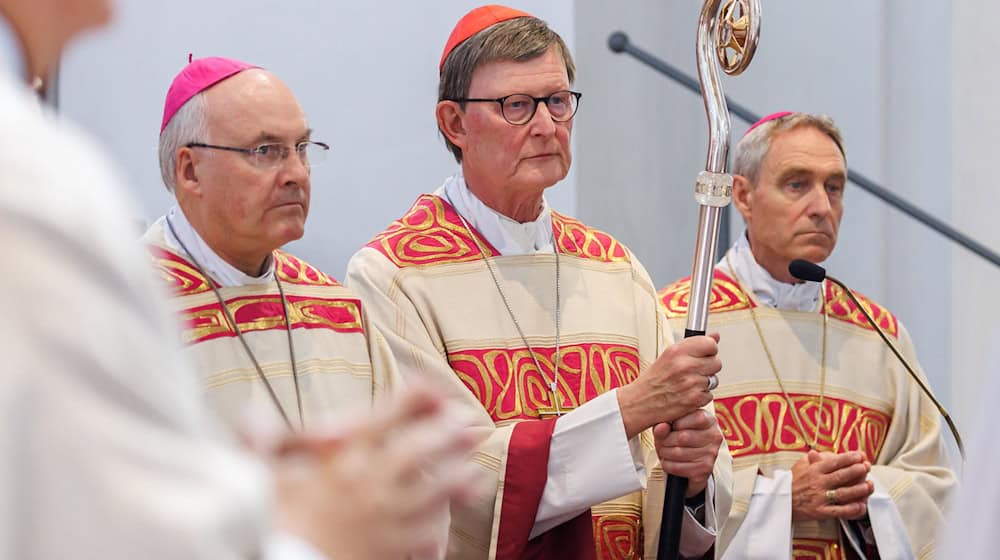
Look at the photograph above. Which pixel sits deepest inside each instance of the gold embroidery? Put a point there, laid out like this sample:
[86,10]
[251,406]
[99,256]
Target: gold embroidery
[509,385]
[181,276]
[840,306]
[296,271]
[817,549]
[726,296]
[576,239]
[762,424]
[210,321]
[429,233]
[618,536]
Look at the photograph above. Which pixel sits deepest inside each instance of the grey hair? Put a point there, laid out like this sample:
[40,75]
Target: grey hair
[751,150]
[518,39]
[189,124]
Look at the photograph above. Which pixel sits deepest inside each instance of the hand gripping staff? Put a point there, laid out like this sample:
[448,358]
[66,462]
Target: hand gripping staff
[727,39]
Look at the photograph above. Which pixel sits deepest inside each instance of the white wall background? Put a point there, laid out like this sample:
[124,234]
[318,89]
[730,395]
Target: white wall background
[365,73]
[911,83]
[971,187]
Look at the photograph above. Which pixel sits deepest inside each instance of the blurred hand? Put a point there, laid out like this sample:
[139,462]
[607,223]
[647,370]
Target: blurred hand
[674,386]
[843,474]
[689,447]
[378,486]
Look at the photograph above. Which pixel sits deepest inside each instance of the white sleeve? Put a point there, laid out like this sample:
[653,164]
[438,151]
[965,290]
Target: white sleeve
[284,546]
[766,532]
[104,439]
[590,461]
[890,532]
[696,538]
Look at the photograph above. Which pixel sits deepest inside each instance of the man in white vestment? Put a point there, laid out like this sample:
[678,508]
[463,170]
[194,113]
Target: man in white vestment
[547,331]
[106,448]
[836,451]
[263,327]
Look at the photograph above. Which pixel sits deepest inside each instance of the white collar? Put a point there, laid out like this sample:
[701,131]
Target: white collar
[221,271]
[804,296]
[506,235]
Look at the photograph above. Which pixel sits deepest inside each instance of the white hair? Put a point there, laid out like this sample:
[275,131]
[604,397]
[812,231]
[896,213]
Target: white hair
[189,124]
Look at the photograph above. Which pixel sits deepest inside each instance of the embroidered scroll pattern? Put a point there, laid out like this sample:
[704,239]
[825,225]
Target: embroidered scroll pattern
[510,387]
[262,313]
[429,233]
[762,423]
[726,296]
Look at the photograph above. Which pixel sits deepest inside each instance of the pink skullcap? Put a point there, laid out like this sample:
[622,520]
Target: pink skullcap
[474,22]
[195,78]
[771,117]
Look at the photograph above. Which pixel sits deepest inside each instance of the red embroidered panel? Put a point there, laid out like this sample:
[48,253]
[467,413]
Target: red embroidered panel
[509,385]
[576,239]
[262,313]
[762,423]
[839,306]
[726,296]
[817,549]
[185,280]
[180,275]
[618,536]
[297,271]
[429,233]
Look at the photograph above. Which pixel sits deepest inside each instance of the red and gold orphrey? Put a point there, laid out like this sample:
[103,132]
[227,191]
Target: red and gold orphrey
[868,405]
[437,267]
[331,346]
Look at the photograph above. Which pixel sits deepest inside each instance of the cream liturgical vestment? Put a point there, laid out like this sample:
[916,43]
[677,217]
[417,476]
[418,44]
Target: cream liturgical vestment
[434,297]
[329,335]
[106,449]
[858,399]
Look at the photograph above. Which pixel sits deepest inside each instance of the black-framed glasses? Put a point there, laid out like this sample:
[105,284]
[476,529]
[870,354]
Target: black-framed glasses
[269,156]
[520,108]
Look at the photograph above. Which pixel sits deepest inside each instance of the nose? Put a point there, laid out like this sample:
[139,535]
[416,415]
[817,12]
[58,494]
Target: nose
[541,123]
[294,170]
[819,202]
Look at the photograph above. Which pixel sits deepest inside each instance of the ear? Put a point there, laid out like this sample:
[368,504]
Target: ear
[451,121]
[743,196]
[185,173]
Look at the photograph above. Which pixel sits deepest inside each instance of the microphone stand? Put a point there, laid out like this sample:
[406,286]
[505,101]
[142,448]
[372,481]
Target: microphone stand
[913,374]
[726,38]
[812,272]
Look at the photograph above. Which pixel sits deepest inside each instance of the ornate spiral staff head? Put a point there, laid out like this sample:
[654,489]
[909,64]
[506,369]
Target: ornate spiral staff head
[727,38]
[736,31]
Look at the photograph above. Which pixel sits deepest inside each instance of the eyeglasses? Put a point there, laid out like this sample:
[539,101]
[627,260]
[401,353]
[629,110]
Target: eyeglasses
[270,156]
[520,108]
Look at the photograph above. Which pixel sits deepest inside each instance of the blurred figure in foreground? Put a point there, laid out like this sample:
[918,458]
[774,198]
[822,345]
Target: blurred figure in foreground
[106,449]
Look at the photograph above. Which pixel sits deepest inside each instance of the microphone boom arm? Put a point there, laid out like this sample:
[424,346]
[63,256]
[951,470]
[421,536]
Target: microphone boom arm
[926,390]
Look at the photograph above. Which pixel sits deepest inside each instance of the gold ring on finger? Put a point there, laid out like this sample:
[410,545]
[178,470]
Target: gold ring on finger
[831,497]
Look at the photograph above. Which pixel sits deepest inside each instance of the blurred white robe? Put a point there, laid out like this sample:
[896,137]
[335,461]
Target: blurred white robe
[106,450]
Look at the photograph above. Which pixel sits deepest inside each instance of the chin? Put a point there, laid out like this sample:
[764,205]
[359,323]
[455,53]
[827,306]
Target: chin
[543,178]
[814,255]
[289,233]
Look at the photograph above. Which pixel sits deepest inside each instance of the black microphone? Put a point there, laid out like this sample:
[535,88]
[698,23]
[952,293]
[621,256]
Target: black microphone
[805,270]
[812,272]
[618,41]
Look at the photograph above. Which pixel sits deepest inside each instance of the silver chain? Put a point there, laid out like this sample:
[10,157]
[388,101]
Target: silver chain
[774,368]
[553,386]
[246,346]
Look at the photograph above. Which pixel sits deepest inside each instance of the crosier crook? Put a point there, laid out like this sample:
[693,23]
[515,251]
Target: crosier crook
[727,38]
